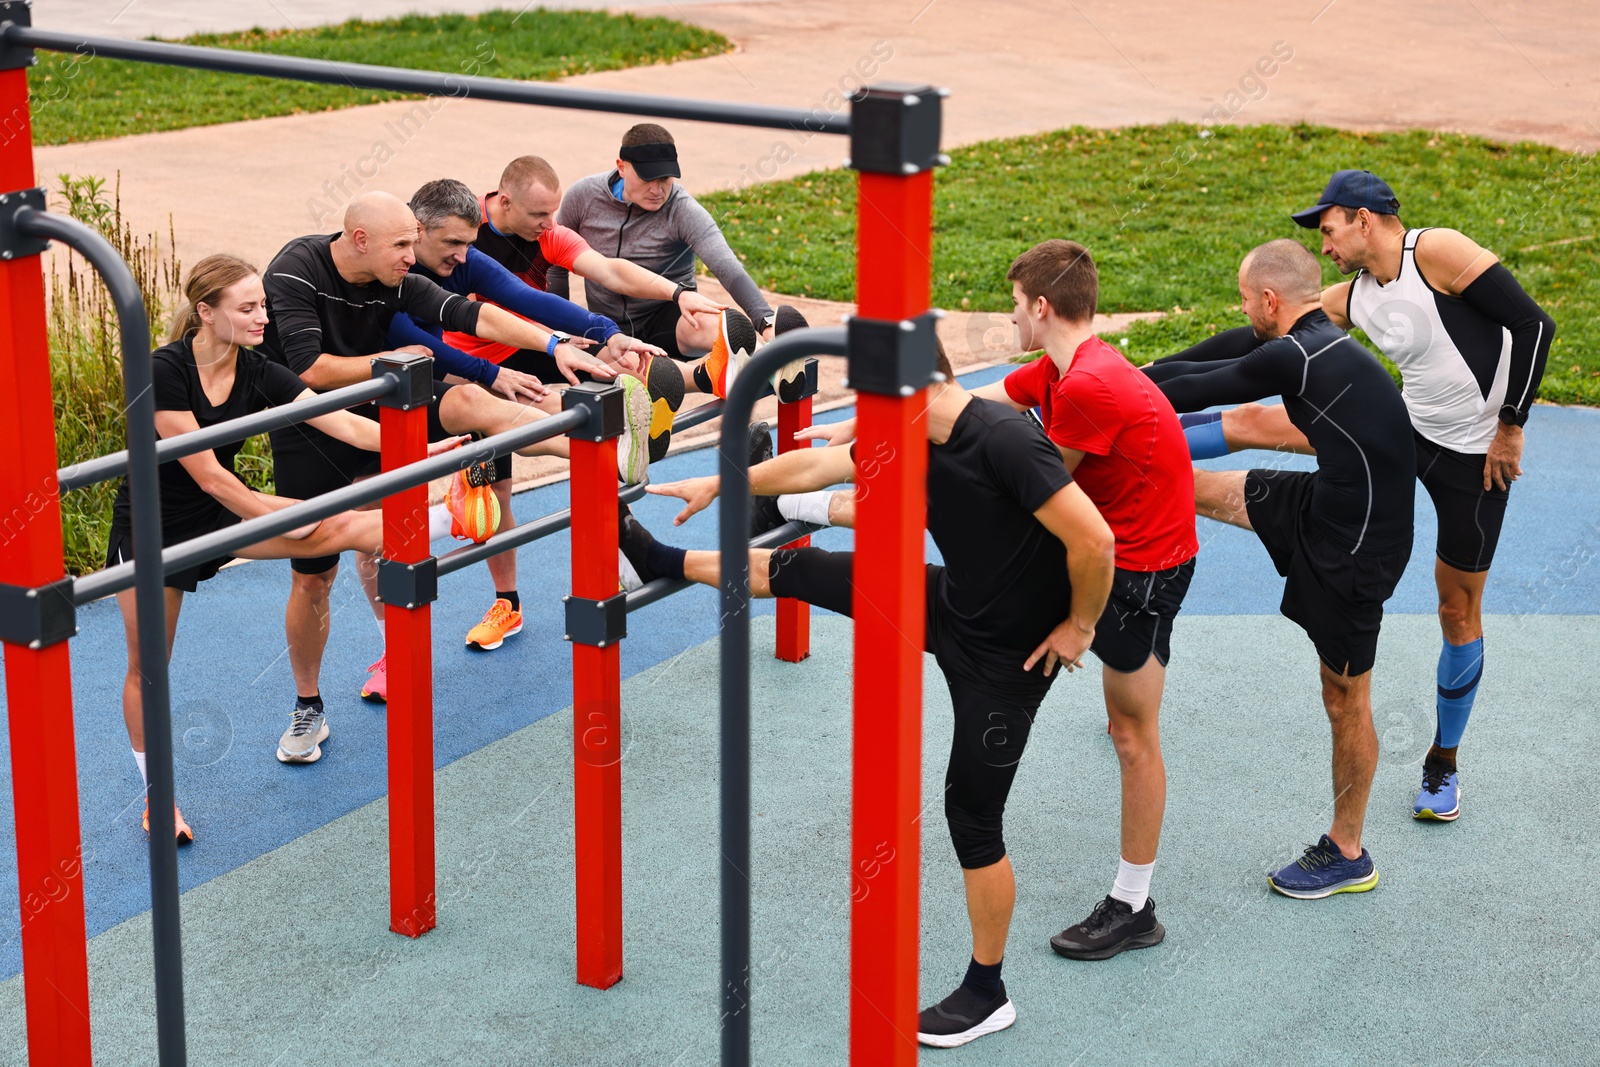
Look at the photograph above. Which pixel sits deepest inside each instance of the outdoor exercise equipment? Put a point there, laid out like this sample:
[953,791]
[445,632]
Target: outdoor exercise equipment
[894,143]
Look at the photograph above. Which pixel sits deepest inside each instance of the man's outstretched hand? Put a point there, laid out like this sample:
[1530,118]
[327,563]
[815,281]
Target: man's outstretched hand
[696,493]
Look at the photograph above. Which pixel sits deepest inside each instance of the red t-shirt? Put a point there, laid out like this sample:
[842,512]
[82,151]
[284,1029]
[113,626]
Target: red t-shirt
[1136,465]
[529,260]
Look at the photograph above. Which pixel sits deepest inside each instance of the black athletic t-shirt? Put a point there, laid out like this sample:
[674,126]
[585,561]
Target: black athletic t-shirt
[312,310]
[258,383]
[1345,403]
[1005,583]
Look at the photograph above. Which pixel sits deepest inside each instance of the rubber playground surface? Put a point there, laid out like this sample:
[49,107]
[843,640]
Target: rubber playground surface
[1479,946]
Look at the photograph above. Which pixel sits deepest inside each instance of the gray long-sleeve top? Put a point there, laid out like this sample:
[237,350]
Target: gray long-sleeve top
[665,241]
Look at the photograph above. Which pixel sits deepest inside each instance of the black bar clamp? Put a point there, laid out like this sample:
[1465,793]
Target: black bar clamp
[596,622]
[892,358]
[14,244]
[604,404]
[415,377]
[894,128]
[408,585]
[13,57]
[38,617]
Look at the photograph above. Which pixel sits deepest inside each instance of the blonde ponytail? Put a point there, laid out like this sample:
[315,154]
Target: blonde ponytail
[205,284]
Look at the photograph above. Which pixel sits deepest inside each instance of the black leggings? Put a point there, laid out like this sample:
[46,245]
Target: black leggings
[992,717]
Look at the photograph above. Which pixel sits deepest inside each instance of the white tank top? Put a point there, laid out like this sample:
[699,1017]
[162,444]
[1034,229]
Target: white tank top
[1454,362]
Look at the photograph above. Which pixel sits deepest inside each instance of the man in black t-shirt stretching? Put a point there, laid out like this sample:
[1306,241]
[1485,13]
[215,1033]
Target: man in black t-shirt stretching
[331,299]
[1340,535]
[1028,568]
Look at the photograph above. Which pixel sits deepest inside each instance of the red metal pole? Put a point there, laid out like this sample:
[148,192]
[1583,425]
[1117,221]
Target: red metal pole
[893,272]
[408,645]
[38,681]
[596,720]
[794,616]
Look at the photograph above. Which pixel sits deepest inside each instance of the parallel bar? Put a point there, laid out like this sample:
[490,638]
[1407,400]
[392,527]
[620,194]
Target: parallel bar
[428,83]
[701,413]
[223,542]
[596,721]
[734,746]
[408,651]
[225,433]
[794,616]
[44,780]
[661,588]
[522,534]
[892,270]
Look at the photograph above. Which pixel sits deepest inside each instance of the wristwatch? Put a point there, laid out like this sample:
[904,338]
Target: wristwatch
[678,291]
[1510,416]
[555,339]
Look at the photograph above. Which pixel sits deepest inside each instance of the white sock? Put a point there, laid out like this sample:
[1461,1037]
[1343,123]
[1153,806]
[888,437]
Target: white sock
[138,757]
[630,577]
[807,507]
[438,522]
[1133,883]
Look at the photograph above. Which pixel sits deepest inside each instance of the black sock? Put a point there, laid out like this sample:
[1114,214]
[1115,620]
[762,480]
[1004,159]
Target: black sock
[516,602]
[983,978]
[312,701]
[664,560]
[702,378]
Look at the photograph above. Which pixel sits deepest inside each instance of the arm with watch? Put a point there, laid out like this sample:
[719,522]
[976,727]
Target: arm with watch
[630,279]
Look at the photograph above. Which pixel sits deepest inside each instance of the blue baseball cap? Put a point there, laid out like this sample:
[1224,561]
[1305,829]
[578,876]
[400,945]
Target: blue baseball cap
[1352,189]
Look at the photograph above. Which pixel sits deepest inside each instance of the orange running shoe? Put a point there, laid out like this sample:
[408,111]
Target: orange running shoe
[376,690]
[185,834]
[736,340]
[500,623]
[474,509]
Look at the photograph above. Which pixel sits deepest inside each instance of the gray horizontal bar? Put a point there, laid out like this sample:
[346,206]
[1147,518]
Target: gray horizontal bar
[662,588]
[223,542]
[429,83]
[697,415]
[517,536]
[224,433]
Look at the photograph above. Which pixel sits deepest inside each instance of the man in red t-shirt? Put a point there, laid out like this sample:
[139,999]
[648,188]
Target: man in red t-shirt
[1121,439]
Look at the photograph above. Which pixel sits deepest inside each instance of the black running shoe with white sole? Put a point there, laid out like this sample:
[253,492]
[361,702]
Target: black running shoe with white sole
[964,1016]
[635,541]
[791,377]
[1111,927]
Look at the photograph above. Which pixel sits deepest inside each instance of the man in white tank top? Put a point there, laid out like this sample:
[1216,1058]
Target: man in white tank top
[1471,347]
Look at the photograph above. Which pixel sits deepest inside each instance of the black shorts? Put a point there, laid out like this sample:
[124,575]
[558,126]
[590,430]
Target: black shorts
[658,327]
[1137,622]
[119,548]
[994,713]
[1336,596]
[1470,516]
[308,463]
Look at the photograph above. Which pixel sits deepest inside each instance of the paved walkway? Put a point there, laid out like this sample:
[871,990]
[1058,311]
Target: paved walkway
[1013,66]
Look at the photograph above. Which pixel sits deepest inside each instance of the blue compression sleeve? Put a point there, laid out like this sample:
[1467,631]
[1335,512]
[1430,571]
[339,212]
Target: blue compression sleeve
[1203,429]
[1460,671]
[490,281]
[403,330]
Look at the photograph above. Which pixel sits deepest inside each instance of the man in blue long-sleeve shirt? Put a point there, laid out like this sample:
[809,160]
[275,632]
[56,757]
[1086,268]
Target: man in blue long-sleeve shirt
[448,219]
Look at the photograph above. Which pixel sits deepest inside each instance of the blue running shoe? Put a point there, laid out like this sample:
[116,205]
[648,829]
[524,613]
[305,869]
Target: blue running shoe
[1440,796]
[1322,872]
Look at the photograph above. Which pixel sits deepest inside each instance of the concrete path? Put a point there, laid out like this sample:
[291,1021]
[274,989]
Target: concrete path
[1013,66]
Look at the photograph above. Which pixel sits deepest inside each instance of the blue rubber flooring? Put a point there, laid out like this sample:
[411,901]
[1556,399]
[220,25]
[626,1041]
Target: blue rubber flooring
[232,690]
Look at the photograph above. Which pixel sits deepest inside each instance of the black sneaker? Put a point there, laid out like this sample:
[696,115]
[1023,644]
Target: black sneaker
[964,1016]
[634,541]
[1111,927]
[664,385]
[764,513]
[791,377]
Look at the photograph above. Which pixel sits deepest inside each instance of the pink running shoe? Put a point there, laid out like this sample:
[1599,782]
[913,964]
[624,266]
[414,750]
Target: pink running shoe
[377,688]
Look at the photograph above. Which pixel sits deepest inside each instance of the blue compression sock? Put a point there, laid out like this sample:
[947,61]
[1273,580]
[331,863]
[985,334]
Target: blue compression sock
[1204,432]
[1460,671]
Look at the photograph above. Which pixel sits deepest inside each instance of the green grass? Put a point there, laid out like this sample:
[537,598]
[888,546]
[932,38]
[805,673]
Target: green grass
[83,97]
[1168,213]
